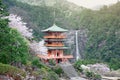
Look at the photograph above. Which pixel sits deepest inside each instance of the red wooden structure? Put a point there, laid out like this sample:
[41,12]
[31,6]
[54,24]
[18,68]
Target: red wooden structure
[54,41]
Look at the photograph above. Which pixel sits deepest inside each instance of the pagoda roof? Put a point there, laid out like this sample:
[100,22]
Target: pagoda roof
[54,28]
[57,47]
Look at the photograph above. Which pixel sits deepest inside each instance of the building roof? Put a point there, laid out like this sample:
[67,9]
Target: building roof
[54,28]
[57,47]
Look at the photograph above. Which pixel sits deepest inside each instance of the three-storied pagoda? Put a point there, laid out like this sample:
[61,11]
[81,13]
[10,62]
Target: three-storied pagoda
[54,41]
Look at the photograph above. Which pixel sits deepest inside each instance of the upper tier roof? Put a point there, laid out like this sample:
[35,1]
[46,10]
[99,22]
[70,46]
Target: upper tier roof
[54,28]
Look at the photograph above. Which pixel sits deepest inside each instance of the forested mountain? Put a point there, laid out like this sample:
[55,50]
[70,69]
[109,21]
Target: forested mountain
[103,36]
[42,16]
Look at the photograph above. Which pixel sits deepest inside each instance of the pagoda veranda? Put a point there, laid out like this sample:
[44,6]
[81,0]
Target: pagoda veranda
[54,41]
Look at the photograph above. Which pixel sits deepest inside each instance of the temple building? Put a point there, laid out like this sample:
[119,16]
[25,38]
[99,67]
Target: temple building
[54,41]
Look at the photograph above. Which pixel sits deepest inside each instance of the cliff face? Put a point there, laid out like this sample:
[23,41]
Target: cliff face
[82,40]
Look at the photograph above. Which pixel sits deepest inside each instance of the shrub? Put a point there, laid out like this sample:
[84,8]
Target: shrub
[78,64]
[89,74]
[36,62]
[52,76]
[92,76]
[52,62]
[97,77]
[10,70]
[48,75]
[58,70]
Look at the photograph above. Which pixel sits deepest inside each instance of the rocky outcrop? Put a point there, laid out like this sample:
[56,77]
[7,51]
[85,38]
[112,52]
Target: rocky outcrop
[70,71]
[99,68]
[3,77]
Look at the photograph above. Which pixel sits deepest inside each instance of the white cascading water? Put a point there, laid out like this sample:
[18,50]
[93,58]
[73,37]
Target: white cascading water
[78,56]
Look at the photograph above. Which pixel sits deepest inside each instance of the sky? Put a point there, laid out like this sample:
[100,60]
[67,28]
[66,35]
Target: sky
[93,4]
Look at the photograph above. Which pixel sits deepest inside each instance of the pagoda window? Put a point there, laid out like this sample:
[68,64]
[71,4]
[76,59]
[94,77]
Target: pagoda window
[56,34]
[49,42]
[57,54]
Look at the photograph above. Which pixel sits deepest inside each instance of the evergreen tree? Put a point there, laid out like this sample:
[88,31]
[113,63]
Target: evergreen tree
[13,47]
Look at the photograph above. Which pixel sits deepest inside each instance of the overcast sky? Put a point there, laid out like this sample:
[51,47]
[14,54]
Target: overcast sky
[92,4]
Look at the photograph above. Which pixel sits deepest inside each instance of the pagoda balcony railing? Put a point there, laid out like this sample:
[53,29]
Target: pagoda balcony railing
[54,45]
[59,37]
[57,57]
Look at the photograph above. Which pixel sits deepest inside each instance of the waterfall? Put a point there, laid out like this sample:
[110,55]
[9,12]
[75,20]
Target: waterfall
[78,56]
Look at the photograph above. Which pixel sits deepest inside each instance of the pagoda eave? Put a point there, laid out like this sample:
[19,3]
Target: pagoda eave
[57,47]
[54,40]
[54,28]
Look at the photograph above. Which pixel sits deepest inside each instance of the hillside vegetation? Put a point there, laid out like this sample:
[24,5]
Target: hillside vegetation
[103,38]
[13,47]
[104,34]
[16,60]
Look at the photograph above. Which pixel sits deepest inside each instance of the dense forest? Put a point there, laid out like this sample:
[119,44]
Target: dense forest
[16,60]
[103,26]
[41,17]
[104,34]
[103,37]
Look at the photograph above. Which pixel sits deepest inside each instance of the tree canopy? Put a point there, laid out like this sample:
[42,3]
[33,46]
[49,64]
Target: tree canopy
[104,34]
[13,47]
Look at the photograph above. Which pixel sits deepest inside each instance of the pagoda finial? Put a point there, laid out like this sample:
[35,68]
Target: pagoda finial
[54,16]
[54,13]
[54,24]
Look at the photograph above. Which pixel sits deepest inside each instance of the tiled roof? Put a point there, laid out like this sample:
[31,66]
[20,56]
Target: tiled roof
[54,28]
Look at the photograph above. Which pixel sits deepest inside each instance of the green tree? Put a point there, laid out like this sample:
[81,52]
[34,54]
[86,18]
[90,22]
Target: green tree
[13,47]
